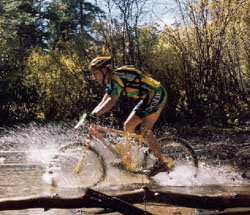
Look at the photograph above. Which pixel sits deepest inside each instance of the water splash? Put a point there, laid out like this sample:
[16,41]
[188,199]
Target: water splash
[41,142]
[2,160]
[205,175]
[35,135]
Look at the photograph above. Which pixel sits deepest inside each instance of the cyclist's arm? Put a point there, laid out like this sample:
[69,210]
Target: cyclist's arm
[107,103]
[109,100]
[105,97]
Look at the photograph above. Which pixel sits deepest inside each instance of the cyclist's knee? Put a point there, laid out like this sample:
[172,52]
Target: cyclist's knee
[131,123]
[128,127]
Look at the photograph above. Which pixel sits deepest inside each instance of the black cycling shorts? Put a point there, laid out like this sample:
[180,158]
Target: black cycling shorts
[145,107]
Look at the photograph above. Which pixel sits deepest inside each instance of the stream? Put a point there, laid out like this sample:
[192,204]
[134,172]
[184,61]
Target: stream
[26,151]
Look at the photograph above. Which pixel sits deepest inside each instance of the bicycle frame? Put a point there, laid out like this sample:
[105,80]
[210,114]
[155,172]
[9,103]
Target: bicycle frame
[95,131]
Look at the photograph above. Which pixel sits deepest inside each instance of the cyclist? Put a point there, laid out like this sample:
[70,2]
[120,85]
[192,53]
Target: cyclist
[129,81]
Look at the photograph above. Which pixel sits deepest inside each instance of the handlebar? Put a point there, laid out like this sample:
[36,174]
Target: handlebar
[82,121]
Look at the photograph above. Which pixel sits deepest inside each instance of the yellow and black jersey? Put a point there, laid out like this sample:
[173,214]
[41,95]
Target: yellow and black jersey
[131,82]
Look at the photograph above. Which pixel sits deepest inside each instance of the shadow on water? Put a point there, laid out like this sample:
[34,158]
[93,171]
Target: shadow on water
[25,152]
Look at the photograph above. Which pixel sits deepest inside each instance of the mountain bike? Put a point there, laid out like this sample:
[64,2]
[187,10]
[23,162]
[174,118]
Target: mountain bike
[90,165]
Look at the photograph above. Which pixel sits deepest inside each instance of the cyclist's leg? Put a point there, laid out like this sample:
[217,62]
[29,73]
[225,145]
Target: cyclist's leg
[147,114]
[147,122]
[135,118]
[147,125]
[132,122]
[152,112]
[163,163]
[129,126]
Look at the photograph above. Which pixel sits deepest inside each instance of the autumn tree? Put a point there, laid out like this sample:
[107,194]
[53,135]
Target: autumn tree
[210,57]
[18,36]
[120,29]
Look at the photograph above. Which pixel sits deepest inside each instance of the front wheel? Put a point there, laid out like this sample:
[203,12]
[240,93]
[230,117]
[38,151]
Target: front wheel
[63,164]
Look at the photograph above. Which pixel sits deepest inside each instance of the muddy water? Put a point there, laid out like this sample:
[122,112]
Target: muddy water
[25,152]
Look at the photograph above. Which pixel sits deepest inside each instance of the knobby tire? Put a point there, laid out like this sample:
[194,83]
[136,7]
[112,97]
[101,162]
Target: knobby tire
[185,149]
[70,154]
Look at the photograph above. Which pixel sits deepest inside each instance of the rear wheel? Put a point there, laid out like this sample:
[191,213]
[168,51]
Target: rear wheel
[177,149]
[62,166]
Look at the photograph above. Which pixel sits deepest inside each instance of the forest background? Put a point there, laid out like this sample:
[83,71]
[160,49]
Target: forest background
[202,58]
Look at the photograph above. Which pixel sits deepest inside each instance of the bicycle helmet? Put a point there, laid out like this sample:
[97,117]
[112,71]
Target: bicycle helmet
[99,62]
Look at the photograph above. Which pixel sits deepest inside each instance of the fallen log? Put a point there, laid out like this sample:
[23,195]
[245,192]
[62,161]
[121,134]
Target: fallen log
[91,199]
[114,203]
[213,202]
[231,213]
[46,202]
[94,199]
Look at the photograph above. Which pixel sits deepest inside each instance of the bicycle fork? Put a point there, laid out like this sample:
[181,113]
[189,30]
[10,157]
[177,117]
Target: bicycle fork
[84,152]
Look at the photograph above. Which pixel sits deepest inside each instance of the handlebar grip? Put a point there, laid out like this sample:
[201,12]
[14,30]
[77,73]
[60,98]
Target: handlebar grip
[82,120]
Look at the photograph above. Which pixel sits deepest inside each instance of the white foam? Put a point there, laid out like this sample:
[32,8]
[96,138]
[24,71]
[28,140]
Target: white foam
[205,176]
[42,156]
[2,160]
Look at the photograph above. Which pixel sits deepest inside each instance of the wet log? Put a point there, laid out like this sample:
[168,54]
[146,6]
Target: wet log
[247,212]
[91,199]
[123,202]
[46,202]
[214,202]
[114,203]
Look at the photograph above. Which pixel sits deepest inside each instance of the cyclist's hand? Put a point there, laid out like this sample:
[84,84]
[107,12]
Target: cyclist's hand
[85,118]
[91,117]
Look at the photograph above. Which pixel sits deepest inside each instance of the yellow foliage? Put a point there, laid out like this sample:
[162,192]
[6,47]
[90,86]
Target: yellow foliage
[93,48]
[56,77]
